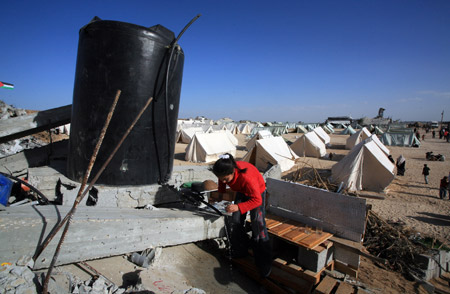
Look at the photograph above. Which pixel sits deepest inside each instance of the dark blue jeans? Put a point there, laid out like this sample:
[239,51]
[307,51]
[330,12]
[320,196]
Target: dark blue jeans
[260,243]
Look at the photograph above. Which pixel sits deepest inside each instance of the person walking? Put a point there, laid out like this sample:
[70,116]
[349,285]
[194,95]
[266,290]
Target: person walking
[426,172]
[245,179]
[401,165]
[443,187]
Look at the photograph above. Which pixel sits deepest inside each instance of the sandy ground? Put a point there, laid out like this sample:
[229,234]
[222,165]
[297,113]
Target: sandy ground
[407,201]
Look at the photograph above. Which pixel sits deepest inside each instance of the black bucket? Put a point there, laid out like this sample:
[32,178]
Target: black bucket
[115,56]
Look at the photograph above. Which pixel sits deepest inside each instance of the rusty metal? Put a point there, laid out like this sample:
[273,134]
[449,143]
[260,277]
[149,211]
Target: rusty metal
[83,184]
[68,217]
[85,265]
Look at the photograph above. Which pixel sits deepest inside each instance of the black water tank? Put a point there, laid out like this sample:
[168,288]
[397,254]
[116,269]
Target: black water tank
[114,55]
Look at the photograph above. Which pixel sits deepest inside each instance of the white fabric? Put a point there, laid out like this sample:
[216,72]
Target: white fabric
[379,144]
[366,167]
[322,135]
[309,145]
[206,147]
[357,137]
[186,135]
[258,136]
[271,151]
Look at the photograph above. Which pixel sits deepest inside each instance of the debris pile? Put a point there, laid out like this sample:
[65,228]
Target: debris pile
[15,146]
[388,242]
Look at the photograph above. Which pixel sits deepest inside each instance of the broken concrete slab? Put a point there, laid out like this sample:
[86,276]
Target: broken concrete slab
[100,232]
[21,126]
[52,182]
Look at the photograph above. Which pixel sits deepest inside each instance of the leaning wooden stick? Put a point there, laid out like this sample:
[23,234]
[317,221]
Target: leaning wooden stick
[69,216]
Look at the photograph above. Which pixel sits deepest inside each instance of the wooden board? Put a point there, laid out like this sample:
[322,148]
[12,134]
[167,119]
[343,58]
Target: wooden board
[295,232]
[345,288]
[326,285]
[298,271]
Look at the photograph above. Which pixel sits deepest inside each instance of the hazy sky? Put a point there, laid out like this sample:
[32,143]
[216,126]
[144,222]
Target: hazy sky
[257,60]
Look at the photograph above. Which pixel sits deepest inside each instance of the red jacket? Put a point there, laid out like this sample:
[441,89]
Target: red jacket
[251,183]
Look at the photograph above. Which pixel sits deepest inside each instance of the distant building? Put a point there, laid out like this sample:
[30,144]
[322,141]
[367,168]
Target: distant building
[345,120]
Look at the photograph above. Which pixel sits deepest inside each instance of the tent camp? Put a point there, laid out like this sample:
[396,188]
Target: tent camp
[309,145]
[206,147]
[271,151]
[322,135]
[366,167]
[405,139]
[356,138]
[258,136]
[185,135]
[348,131]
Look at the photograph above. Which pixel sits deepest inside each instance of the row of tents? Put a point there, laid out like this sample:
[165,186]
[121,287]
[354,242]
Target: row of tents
[365,167]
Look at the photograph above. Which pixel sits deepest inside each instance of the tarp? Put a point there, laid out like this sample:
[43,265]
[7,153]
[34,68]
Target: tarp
[258,136]
[271,151]
[408,139]
[348,131]
[309,145]
[356,138]
[365,167]
[206,147]
[322,135]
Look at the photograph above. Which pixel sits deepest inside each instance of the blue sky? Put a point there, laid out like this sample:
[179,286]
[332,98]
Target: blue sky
[256,60]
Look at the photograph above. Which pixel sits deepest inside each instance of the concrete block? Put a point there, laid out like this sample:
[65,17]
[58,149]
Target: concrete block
[101,232]
[314,260]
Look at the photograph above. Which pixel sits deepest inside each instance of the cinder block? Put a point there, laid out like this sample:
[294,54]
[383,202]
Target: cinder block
[314,260]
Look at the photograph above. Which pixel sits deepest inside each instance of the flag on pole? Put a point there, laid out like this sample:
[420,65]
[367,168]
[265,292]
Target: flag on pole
[6,85]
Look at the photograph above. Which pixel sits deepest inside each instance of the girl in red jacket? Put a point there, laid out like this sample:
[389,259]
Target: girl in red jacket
[245,179]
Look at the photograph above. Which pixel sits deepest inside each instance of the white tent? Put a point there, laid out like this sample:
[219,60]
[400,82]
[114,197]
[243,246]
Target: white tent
[206,147]
[258,136]
[348,131]
[271,151]
[357,137]
[309,145]
[185,135]
[244,128]
[301,129]
[366,167]
[322,135]
[379,144]
[232,138]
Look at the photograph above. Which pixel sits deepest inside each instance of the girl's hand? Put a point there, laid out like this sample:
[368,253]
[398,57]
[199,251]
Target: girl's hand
[232,208]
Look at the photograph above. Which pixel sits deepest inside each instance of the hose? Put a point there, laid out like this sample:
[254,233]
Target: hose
[172,50]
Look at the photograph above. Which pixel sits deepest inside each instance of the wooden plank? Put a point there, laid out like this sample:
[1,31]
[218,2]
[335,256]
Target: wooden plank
[298,271]
[296,234]
[314,239]
[343,268]
[345,288]
[311,206]
[326,285]
[250,269]
[283,228]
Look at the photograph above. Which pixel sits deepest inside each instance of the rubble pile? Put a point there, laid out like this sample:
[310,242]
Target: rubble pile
[15,146]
